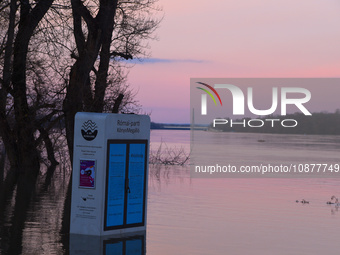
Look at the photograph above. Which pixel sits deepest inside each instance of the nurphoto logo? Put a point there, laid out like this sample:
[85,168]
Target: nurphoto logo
[280,98]
[264,127]
[204,97]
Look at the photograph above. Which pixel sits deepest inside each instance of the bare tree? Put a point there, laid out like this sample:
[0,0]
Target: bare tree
[18,132]
[103,31]
[36,43]
[50,69]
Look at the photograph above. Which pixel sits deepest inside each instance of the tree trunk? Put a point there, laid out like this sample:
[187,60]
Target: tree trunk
[28,157]
[101,81]
[98,37]
[8,137]
[73,102]
[19,139]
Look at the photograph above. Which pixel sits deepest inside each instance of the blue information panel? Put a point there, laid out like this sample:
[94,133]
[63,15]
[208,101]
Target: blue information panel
[135,199]
[125,183]
[115,202]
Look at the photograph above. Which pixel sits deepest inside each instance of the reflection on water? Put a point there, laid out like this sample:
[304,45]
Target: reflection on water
[241,216]
[30,221]
[94,245]
[196,216]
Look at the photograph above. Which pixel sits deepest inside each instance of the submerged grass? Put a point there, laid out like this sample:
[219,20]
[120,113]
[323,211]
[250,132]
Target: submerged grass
[165,155]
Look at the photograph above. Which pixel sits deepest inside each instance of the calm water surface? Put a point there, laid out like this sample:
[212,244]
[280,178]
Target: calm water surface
[212,216]
[245,216]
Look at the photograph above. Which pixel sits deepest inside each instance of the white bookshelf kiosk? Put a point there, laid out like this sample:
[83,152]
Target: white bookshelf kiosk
[110,173]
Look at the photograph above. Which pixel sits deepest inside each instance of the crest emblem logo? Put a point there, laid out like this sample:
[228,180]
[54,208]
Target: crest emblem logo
[89,130]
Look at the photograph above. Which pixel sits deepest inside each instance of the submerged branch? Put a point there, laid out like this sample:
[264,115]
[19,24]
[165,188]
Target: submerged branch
[169,156]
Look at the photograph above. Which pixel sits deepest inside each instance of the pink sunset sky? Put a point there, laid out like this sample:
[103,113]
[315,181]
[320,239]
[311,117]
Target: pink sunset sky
[228,38]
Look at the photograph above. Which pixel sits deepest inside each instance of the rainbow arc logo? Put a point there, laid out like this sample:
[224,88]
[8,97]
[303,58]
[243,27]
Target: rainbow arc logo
[204,97]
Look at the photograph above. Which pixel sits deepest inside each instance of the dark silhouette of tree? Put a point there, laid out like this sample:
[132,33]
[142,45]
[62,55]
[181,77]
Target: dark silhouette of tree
[38,85]
[103,32]
[19,136]
[20,101]
[58,57]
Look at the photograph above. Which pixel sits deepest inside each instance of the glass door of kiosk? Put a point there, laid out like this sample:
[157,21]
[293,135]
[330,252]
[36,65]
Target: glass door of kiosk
[125,183]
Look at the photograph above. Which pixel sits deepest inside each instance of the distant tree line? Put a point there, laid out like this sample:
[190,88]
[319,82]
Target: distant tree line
[154,125]
[320,123]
